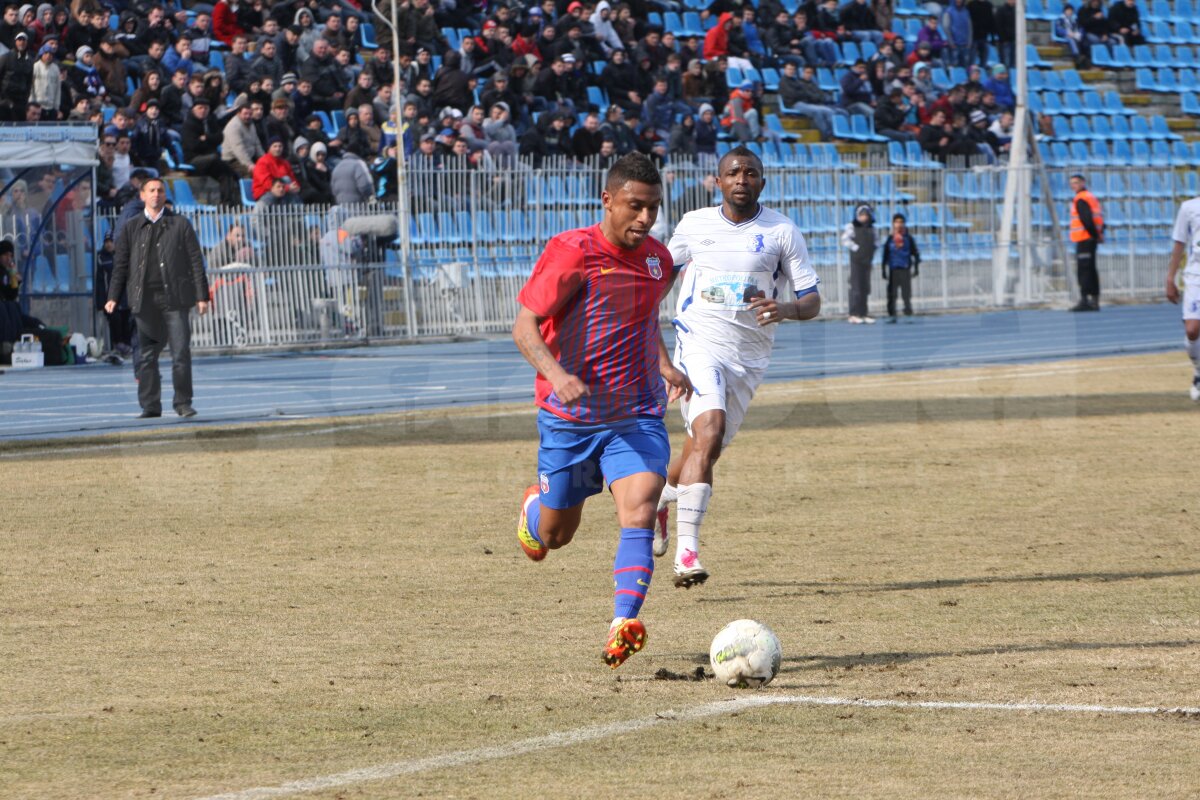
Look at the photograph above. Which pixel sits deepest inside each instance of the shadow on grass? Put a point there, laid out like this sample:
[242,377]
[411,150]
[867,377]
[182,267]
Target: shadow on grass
[889,659]
[837,587]
[815,588]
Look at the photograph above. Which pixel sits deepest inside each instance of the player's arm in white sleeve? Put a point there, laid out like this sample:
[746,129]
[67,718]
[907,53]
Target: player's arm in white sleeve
[798,267]
[1181,236]
[793,261]
[678,246]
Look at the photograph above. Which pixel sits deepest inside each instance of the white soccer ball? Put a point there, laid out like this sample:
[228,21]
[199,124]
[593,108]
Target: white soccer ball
[745,654]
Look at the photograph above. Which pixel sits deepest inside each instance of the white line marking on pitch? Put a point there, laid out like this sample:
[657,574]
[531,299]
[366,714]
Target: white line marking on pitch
[593,732]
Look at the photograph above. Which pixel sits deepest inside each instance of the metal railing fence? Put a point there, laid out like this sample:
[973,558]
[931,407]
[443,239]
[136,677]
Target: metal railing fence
[305,275]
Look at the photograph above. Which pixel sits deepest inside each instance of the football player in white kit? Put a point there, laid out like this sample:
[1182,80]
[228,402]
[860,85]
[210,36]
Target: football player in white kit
[1187,243]
[745,269]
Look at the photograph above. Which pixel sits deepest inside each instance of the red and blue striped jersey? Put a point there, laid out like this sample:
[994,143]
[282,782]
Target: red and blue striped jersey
[600,305]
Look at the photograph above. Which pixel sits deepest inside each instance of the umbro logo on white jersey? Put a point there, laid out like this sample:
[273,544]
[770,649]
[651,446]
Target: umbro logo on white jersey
[707,242]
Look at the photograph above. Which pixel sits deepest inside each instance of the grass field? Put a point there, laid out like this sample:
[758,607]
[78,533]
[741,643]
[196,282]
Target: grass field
[246,608]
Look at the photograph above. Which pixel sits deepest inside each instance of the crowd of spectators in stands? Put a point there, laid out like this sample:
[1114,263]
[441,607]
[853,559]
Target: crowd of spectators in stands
[296,96]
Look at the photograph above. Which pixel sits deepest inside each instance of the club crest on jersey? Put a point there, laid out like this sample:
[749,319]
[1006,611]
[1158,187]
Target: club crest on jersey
[544,483]
[755,244]
[654,264]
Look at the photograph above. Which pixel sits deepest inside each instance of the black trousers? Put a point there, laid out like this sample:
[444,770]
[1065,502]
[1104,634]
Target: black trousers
[158,327]
[899,280]
[1085,268]
[120,327]
[860,288]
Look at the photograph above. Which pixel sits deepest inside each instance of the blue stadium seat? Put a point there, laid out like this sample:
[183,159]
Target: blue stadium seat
[1159,154]
[1114,103]
[597,98]
[850,52]
[247,197]
[1051,80]
[1159,129]
[1141,153]
[826,80]
[1145,80]
[841,128]
[1164,55]
[1092,104]
[896,155]
[1060,154]
[918,157]
[1121,151]
[770,77]
[1139,128]
[864,129]
[775,125]
[1102,128]
[1080,129]
[1052,103]
[1036,80]
[1187,184]
[692,26]
[1122,57]
[1102,58]
[1099,156]
[1080,157]
[1034,59]
[1071,104]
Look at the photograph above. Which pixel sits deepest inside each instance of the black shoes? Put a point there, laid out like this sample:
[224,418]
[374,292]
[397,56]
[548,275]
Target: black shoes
[1087,304]
[148,414]
[185,411]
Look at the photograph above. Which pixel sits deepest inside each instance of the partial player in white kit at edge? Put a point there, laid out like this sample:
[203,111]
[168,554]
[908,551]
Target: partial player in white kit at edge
[1187,242]
[741,261]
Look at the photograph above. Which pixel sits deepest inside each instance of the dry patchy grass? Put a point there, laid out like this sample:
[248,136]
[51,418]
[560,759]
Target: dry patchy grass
[242,608]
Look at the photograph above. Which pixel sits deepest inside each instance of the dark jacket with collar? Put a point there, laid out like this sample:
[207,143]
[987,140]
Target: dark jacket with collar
[181,258]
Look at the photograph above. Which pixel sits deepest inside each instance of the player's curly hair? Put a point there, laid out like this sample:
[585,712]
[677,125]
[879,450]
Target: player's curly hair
[636,167]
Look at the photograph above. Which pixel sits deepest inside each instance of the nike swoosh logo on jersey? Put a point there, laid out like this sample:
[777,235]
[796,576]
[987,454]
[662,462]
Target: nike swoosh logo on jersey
[605,270]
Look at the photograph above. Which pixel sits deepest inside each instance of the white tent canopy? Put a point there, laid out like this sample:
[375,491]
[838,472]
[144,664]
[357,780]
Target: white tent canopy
[67,144]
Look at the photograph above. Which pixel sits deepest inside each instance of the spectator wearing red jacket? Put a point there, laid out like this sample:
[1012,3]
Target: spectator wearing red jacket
[271,167]
[224,21]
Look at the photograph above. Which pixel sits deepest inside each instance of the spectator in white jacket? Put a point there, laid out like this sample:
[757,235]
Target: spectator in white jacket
[47,83]
[605,33]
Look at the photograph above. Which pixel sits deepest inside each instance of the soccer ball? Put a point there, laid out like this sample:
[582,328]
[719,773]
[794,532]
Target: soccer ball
[745,654]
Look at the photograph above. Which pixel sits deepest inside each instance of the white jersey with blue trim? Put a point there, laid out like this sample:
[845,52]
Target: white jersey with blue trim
[1187,233]
[726,265]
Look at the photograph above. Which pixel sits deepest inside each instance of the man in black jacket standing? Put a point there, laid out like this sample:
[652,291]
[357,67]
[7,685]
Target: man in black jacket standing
[158,260]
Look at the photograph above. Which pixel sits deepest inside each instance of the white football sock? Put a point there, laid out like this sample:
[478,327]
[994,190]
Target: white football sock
[693,505]
[669,495]
[1193,351]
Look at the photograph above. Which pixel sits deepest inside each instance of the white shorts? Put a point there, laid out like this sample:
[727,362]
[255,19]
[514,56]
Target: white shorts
[1191,301]
[718,385]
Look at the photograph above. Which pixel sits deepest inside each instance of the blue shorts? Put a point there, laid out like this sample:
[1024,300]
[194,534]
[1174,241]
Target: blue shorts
[576,459]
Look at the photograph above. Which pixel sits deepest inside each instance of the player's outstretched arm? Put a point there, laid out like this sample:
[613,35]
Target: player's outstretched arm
[1172,272]
[527,334]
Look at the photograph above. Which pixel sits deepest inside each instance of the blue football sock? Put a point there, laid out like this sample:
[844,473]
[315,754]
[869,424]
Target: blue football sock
[534,516]
[632,570]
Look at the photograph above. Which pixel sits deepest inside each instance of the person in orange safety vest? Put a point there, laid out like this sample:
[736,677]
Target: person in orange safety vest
[1087,232]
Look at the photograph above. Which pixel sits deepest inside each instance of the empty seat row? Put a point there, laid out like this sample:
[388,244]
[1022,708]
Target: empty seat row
[1069,103]
[1168,81]
[1119,153]
[1121,56]
[1088,129]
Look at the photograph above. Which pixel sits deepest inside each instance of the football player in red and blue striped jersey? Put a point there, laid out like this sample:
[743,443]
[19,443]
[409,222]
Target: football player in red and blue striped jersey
[588,323]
